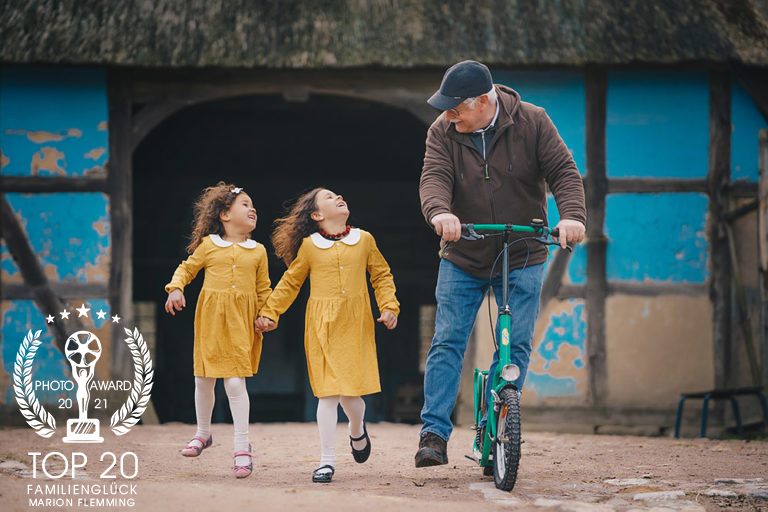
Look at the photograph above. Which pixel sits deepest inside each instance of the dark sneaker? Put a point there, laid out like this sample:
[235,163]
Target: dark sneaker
[432,451]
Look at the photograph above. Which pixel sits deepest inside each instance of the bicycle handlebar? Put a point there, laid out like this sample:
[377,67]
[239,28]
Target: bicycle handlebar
[542,230]
[537,228]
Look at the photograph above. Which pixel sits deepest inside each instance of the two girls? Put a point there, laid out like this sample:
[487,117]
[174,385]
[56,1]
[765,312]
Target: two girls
[314,240]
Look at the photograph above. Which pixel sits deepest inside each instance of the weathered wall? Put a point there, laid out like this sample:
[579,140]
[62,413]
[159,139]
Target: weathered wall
[53,123]
[658,347]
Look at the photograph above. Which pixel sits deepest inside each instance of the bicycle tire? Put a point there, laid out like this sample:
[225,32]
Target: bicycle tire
[506,448]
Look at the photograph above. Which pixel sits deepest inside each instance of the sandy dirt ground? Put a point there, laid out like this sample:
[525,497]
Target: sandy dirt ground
[565,472]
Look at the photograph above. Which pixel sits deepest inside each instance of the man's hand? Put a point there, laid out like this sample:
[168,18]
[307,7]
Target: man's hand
[447,225]
[571,231]
[389,319]
[175,302]
[263,324]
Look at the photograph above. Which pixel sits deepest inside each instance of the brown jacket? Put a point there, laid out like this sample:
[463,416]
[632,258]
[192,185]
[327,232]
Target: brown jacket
[525,153]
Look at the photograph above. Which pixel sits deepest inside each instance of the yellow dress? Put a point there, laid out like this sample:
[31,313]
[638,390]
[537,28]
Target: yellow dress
[236,286]
[339,326]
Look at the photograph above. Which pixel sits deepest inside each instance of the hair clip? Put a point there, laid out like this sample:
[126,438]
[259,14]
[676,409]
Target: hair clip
[236,190]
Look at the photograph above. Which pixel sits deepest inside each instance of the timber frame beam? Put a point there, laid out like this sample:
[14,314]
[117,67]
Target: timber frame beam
[596,190]
[718,185]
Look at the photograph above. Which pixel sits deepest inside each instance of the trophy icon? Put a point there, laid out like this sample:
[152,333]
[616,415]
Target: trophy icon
[83,349]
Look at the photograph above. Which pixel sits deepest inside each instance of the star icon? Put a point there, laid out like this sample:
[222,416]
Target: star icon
[49,319]
[64,314]
[101,314]
[115,319]
[83,311]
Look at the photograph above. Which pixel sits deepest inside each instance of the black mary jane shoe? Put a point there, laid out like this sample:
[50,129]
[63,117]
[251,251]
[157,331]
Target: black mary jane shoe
[323,477]
[361,455]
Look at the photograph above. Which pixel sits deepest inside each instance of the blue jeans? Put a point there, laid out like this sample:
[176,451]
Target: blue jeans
[459,296]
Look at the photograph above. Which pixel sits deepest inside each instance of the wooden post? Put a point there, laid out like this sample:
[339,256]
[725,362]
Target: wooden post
[596,190]
[120,189]
[762,243]
[718,181]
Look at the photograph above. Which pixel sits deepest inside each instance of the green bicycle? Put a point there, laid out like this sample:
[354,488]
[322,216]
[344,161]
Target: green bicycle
[497,444]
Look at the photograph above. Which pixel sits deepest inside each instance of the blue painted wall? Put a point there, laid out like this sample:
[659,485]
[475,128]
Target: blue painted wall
[69,232]
[657,237]
[657,124]
[53,122]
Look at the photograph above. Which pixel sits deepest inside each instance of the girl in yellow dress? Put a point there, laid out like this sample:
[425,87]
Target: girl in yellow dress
[236,286]
[314,239]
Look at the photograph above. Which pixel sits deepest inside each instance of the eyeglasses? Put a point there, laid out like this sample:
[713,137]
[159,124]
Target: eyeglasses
[456,112]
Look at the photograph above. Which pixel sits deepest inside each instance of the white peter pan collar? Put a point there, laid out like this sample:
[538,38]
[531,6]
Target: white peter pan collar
[248,244]
[323,243]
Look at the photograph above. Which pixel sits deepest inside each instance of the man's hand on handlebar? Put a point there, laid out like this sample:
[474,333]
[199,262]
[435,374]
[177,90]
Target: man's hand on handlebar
[448,226]
[571,231]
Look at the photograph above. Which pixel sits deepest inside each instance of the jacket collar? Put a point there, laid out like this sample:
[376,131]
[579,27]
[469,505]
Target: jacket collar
[217,240]
[323,243]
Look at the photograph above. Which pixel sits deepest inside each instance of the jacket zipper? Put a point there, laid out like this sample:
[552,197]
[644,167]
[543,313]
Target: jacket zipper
[488,181]
[488,188]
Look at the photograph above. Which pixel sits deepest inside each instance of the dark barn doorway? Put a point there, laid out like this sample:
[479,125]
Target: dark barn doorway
[369,152]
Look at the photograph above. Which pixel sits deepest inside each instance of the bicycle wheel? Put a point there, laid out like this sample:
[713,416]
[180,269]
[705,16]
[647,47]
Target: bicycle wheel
[479,439]
[506,449]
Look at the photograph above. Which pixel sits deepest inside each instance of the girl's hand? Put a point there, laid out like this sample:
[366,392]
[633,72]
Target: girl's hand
[175,302]
[263,324]
[389,319]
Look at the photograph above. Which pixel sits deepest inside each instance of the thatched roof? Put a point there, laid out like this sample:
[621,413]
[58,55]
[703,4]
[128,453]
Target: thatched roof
[390,33]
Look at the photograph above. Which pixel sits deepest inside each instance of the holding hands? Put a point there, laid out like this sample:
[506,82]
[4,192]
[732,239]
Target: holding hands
[389,319]
[263,324]
[175,302]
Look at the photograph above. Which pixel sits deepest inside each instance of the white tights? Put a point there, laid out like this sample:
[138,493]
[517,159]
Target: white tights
[327,416]
[239,404]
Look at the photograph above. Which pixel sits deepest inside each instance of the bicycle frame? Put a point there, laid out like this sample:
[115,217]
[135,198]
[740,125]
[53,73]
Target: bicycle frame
[498,383]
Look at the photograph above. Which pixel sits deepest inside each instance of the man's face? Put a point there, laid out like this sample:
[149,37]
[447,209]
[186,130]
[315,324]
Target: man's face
[467,120]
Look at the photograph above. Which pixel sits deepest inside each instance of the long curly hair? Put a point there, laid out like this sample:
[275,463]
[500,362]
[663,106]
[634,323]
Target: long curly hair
[211,203]
[297,224]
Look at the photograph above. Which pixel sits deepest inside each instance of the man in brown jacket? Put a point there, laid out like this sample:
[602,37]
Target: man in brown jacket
[489,158]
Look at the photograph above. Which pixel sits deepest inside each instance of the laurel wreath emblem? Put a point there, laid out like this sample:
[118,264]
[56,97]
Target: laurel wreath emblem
[127,416]
[35,414]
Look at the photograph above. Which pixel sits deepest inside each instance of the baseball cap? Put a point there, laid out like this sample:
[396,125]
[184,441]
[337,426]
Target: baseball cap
[466,79]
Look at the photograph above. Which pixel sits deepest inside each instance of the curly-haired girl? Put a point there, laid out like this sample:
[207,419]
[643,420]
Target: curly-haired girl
[314,239]
[236,286]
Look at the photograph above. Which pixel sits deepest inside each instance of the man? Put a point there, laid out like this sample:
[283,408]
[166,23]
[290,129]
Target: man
[488,158]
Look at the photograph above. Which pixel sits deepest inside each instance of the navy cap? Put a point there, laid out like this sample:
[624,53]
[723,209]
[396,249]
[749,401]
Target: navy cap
[467,79]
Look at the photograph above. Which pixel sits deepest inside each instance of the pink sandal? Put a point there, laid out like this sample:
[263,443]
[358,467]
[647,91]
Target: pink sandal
[192,450]
[243,471]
